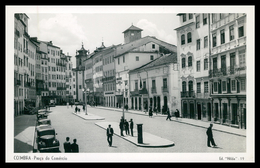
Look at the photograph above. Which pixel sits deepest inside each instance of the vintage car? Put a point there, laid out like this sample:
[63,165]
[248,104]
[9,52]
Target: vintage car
[46,139]
[42,115]
[44,122]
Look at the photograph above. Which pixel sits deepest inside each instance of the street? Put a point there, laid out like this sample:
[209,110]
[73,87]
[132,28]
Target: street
[92,139]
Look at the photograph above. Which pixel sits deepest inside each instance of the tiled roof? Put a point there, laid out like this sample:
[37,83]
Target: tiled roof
[166,59]
[133,28]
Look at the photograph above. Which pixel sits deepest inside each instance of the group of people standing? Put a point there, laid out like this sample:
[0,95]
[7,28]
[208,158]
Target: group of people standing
[124,125]
[71,148]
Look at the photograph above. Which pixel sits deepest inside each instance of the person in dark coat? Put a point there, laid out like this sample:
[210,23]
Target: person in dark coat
[76,109]
[150,111]
[110,133]
[121,126]
[210,136]
[67,147]
[168,115]
[131,126]
[74,147]
[126,127]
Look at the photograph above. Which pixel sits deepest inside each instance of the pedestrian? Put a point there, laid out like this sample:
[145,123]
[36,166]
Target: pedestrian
[110,133]
[177,114]
[76,109]
[67,147]
[155,110]
[126,127]
[210,136]
[67,104]
[150,111]
[131,126]
[121,126]
[74,147]
[83,107]
[168,115]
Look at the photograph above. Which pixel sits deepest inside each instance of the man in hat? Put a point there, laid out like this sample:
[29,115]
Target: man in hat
[110,133]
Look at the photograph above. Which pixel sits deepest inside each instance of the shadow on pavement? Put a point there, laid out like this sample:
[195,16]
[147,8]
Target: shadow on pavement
[21,147]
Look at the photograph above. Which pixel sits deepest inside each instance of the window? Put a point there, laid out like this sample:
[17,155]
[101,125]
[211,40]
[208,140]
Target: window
[198,87]
[204,18]
[189,61]
[214,18]
[189,39]
[223,64]
[242,59]
[198,21]
[243,84]
[214,40]
[224,86]
[151,57]
[198,66]
[118,60]
[182,39]
[136,84]
[205,41]
[153,83]
[184,17]
[222,36]
[153,46]
[241,31]
[190,16]
[184,86]
[215,86]
[231,33]
[183,62]
[232,62]
[164,82]
[198,44]
[79,86]
[206,65]
[233,85]
[206,87]
[123,58]
[137,58]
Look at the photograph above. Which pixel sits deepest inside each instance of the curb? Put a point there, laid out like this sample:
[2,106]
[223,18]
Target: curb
[100,118]
[179,122]
[138,144]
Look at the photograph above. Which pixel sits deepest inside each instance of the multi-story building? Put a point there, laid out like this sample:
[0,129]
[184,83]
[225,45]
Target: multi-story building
[211,52]
[155,84]
[228,68]
[193,56]
[20,29]
[135,53]
[70,97]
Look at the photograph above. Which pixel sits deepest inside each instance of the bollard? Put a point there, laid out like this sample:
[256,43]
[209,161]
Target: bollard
[139,133]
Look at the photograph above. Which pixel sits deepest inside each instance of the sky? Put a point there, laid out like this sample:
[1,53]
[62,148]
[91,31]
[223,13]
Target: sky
[69,30]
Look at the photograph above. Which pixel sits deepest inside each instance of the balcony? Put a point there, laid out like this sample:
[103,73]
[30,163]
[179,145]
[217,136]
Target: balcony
[218,72]
[187,94]
[17,82]
[202,95]
[61,88]
[165,89]
[143,91]
[153,90]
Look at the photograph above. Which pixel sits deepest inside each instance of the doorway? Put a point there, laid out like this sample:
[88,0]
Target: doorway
[209,111]
[234,114]
[199,111]
[224,112]
[192,110]
[185,109]
[159,104]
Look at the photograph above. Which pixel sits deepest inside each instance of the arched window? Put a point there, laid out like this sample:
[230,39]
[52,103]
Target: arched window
[184,86]
[183,62]
[190,61]
[182,39]
[189,39]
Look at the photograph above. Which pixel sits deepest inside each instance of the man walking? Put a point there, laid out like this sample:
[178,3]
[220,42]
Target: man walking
[210,136]
[168,115]
[67,147]
[74,147]
[110,133]
[126,127]
[131,126]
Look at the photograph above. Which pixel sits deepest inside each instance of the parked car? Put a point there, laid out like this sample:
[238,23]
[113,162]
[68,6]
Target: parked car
[44,122]
[51,104]
[46,139]
[42,115]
